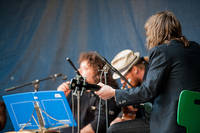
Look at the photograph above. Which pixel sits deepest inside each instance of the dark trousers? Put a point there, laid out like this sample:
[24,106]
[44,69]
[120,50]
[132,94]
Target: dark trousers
[138,125]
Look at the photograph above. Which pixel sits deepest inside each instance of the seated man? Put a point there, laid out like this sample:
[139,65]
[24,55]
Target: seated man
[133,68]
[90,64]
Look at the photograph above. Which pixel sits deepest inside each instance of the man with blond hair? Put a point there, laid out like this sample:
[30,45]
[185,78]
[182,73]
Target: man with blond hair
[173,67]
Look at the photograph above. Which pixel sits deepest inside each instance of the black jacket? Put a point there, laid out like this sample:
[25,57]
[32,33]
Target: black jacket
[89,112]
[172,68]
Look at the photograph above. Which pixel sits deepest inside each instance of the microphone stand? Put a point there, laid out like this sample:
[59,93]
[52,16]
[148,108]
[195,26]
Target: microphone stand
[114,69]
[105,70]
[78,90]
[35,83]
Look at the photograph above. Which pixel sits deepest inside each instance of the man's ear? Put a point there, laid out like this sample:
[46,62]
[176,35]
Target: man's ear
[135,70]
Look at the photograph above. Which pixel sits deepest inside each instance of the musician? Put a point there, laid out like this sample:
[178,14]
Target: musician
[173,67]
[133,68]
[90,66]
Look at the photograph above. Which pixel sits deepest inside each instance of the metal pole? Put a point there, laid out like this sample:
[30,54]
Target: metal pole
[78,110]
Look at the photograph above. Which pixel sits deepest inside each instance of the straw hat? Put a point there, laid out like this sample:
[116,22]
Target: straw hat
[123,61]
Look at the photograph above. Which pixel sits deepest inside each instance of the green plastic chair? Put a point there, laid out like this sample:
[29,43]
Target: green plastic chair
[188,114]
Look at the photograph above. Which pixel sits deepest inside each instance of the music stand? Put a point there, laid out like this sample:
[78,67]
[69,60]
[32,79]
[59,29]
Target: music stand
[39,111]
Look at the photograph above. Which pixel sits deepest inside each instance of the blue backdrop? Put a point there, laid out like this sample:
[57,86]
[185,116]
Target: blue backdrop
[37,35]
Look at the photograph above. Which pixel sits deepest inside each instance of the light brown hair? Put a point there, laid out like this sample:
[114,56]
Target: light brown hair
[162,28]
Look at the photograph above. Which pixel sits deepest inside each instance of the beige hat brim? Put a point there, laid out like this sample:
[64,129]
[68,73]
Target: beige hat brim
[116,76]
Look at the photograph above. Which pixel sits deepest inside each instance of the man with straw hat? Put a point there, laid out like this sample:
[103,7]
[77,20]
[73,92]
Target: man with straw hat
[132,67]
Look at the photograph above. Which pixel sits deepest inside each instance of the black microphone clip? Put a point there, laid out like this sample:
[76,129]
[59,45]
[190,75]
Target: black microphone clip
[83,84]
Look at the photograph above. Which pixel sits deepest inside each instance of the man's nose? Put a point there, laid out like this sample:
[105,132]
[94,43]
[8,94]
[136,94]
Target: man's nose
[122,81]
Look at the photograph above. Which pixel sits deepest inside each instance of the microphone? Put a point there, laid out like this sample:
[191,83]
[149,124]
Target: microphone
[54,76]
[64,77]
[58,75]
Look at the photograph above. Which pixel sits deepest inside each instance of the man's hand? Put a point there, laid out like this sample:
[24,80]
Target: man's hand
[65,88]
[87,129]
[116,120]
[129,113]
[106,92]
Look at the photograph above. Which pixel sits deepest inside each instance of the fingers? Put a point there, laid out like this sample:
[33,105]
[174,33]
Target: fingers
[106,92]
[116,120]
[99,92]
[100,84]
[65,88]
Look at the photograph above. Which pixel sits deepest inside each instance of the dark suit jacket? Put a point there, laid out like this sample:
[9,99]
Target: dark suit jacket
[172,68]
[89,112]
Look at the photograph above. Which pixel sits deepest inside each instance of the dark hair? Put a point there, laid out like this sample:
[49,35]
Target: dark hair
[97,64]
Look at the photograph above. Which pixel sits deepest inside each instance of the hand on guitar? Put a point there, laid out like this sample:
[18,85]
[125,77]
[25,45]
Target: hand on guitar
[116,120]
[129,113]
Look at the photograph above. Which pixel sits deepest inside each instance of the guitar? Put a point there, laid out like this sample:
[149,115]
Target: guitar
[129,112]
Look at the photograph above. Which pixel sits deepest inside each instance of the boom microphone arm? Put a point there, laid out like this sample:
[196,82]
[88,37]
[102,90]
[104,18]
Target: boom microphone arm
[114,69]
[71,63]
[53,77]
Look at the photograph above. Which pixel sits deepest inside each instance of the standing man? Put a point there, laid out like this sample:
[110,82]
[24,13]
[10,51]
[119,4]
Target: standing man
[133,68]
[173,67]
